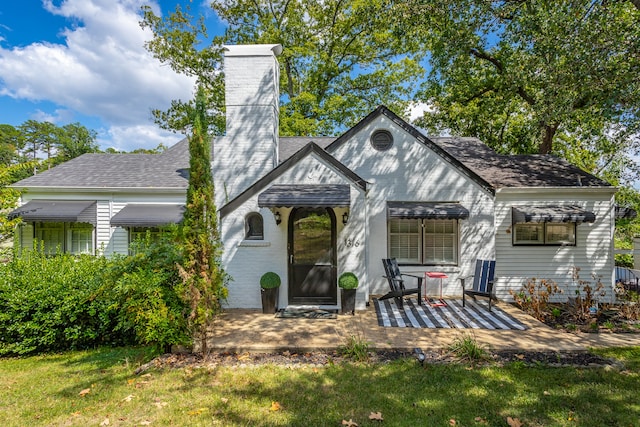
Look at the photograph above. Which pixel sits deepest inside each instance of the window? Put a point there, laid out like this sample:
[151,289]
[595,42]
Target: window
[80,236]
[381,140]
[545,233]
[74,238]
[424,241]
[253,227]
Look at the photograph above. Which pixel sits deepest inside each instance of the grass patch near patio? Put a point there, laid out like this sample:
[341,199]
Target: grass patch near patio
[52,390]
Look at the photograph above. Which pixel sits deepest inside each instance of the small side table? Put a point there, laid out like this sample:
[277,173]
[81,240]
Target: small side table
[435,275]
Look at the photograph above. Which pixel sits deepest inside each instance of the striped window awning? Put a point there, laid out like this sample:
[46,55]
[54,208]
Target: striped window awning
[56,211]
[148,215]
[522,214]
[426,210]
[306,195]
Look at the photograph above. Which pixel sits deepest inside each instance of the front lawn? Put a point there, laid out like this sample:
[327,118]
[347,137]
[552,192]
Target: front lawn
[100,388]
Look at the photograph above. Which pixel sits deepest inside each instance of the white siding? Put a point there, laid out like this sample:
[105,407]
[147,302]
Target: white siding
[592,254]
[410,171]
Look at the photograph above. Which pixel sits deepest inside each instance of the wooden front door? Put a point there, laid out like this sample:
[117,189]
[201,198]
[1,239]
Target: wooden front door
[312,257]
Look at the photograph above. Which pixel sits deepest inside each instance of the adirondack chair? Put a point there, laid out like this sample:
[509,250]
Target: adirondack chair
[396,282]
[482,282]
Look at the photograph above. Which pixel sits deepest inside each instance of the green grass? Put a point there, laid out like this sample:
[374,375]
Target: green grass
[44,390]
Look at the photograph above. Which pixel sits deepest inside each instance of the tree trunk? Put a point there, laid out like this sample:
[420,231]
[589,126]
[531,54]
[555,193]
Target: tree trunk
[548,132]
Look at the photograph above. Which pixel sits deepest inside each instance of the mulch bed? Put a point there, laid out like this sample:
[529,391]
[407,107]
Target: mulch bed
[323,359]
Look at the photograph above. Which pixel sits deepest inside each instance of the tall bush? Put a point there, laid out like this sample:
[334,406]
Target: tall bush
[51,304]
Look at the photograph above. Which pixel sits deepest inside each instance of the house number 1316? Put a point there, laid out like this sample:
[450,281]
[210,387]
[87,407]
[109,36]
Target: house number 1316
[352,243]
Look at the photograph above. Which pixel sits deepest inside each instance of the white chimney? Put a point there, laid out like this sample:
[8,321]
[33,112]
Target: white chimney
[249,148]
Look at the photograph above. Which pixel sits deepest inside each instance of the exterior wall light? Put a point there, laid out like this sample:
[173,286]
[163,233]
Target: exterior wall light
[278,218]
[345,218]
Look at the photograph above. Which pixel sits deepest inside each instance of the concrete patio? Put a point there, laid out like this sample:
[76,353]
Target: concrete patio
[252,331]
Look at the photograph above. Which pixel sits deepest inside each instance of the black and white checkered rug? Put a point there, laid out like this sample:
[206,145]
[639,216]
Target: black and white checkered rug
[475,315]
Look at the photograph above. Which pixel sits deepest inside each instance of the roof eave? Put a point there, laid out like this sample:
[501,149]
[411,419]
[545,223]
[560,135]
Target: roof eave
[512,190]
[66,189]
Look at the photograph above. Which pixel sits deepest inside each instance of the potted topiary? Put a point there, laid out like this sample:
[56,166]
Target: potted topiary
[269,285]
[348,282]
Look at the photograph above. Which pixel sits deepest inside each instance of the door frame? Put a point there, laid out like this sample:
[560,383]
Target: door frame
[334,252]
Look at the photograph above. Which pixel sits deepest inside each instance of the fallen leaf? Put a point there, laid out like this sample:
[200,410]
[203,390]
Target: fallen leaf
[452,422]
[546,393]
[514,422]
[480,420]
[160,404]
[520,356]
[145,423]
[76,414]
[131,381]
[128,398]
[84,392]
[224,400]
[146,375]
[275,406]
[105,422]
[376,416]
[349,423]
[197,411]
[141,384]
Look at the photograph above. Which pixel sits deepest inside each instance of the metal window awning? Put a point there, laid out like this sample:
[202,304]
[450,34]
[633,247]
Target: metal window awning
[148,215]
[56,211]
[426,210]
[306,195]
[522,214]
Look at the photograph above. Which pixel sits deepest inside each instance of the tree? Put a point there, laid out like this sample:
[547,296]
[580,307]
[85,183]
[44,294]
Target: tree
[75,140]
[11,141]
[341,59]
[39,137]
[203,278]
[533,76]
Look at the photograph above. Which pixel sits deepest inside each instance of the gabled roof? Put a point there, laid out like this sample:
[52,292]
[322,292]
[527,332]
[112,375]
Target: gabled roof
[483,165]
[307,150]
[382,110]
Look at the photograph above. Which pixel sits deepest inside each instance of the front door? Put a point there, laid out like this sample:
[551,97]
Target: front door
[312,257]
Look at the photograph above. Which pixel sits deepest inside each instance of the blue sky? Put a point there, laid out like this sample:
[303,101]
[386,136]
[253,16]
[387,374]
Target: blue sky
[68,61]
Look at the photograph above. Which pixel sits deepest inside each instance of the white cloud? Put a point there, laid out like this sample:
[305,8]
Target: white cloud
[417,110]
[101,70]
[138,136]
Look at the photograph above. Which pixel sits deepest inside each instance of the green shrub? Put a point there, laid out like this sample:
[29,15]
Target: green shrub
[61,302]
[348,280]
[142,289]
[50,304]
[269,280]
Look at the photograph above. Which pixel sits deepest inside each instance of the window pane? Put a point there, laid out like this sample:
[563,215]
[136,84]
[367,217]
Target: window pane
[440,242]
[51,236]
[404,240]
[561,233]
[530,234]
[81,236]
[254,227]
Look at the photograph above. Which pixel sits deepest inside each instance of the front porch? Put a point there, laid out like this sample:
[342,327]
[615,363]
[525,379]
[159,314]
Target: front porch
[241,330]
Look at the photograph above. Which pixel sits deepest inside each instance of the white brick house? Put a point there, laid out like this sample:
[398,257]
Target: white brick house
[312,208]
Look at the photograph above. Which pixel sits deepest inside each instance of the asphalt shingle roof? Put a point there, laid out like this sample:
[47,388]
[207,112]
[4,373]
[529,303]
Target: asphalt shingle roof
[169,170]
[532,170]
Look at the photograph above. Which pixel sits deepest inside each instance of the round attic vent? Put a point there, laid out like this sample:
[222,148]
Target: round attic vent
[381,140]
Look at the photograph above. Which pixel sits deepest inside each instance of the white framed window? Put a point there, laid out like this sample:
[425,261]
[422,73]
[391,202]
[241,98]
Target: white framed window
[80,238]
[545,233]
[71,237]
[423,241]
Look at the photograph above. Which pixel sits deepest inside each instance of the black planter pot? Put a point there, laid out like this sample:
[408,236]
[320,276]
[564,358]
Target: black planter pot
[348,301]
[269,300]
